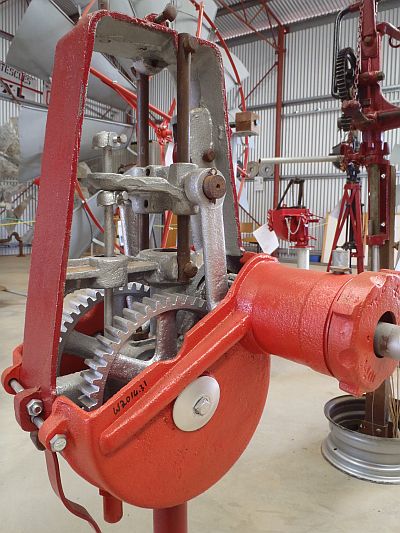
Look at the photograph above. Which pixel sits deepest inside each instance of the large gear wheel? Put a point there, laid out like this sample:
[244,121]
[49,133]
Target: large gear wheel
[119,335]
[345,73]
[80,303]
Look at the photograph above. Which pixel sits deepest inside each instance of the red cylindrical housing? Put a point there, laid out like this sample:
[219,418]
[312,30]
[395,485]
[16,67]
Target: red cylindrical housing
[322,320]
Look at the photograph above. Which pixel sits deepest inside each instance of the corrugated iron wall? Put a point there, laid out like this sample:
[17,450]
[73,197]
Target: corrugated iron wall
[309,116]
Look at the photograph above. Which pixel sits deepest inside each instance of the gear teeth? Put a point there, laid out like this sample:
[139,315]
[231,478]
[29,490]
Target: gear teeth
[83,299]
[104,341]
[87,402]
[151,302]
[89,388]
[131,315]
[122,323]
[94,365]
[161,298]
[113,333]
[141,307]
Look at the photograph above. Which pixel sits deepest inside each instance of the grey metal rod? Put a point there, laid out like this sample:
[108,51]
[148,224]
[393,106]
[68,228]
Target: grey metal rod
[310,159]
[108,252]
[303,258]
[185,43]
[387,340]
[375,258]
[17,387]
[142,115]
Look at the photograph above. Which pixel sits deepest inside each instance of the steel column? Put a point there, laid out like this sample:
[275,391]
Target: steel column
[142,114]
[185,49]
[279,106]
[377,402]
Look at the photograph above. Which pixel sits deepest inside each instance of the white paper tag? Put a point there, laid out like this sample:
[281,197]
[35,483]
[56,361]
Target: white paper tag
[267,239]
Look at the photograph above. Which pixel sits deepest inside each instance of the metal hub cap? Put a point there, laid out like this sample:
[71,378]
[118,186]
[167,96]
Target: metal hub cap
[196,405]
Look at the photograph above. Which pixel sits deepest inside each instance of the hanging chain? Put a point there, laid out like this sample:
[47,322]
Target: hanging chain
[359,40]
[349,137]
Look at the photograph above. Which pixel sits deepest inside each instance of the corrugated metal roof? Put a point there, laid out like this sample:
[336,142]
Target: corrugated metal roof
[287,11]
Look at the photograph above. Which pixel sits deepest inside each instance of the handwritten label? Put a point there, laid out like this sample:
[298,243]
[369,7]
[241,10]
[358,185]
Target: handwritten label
[130,398]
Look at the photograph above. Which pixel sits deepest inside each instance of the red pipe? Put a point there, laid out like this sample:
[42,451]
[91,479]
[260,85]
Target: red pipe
[171,520]
[200,19]
[129,95]
[279,106]
[166,229]
[91,214]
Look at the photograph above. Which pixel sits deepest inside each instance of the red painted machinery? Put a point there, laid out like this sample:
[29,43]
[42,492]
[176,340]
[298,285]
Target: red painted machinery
[356,82]
[151,376]
[357,78]
[292,223]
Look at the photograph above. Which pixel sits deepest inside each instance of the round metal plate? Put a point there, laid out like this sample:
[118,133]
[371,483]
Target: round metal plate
[196,405]
[362,456]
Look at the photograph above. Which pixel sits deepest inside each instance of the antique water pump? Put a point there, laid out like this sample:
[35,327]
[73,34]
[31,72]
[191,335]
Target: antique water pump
[149,371]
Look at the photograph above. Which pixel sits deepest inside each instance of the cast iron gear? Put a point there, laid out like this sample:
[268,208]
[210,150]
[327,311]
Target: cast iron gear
[120,333]
[83,301]
[345,73]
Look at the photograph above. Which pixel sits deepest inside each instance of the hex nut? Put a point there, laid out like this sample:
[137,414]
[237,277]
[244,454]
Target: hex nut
[202,406]
[34,407]
[58,443]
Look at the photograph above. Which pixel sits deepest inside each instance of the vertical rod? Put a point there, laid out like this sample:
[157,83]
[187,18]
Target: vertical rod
[183,143]
[279,105]
[171,520]
[375,259]
[108,252]
[108,238]
[377,403]
[107,160]
[303,258]
[142,114]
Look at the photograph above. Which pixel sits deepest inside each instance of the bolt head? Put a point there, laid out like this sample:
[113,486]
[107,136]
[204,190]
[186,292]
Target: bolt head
[209,155]
[34,407]
[170,12]
[58,443]
[190,270]
[202,406]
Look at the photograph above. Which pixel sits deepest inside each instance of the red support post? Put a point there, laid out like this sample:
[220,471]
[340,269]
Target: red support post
[171,520]
[279,105]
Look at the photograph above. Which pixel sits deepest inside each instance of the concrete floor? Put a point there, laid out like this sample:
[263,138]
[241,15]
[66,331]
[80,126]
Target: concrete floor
[281,484]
